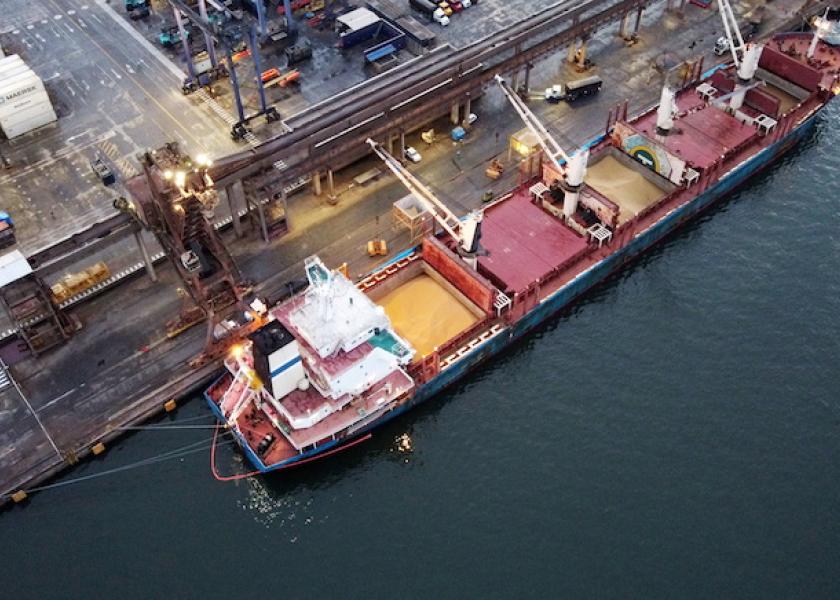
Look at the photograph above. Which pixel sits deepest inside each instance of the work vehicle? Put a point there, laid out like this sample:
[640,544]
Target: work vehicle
[7,230]
[170,36]
[137,9]
[412,154]
[574,90]
[301,51]
[432,11]
[102,170]
[446,8]
[748,31]
[458,134]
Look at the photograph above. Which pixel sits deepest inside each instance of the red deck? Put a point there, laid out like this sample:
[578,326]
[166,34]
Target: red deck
[700,138]
[524,243]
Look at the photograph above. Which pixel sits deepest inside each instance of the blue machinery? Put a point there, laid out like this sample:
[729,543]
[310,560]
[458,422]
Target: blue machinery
[228,34]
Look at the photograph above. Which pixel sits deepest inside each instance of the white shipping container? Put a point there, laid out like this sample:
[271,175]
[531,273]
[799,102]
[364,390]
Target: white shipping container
[20,93]
[13,68]
[13,73]
[11,59]
[26,122]
[30,111]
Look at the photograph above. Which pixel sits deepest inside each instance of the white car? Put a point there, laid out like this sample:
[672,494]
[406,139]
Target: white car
[440,17]
[412,154]
[472,118]
[466,3]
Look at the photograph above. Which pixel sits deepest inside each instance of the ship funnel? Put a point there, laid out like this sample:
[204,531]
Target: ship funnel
[666,111]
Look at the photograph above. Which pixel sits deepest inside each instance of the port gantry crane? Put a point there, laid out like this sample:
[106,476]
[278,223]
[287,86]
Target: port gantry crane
[466,232]
[572,166]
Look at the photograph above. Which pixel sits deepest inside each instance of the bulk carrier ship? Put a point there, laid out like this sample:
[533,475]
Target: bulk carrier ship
[340,358]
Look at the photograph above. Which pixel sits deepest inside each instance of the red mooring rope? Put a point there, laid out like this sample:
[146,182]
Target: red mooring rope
[294,464]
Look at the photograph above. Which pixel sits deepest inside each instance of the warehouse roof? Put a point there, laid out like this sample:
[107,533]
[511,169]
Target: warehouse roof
[358,19]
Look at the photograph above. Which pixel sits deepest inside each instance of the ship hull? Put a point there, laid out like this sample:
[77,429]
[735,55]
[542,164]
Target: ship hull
[558,300]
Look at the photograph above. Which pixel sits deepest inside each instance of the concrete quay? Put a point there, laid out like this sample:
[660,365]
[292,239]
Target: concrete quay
[120,368]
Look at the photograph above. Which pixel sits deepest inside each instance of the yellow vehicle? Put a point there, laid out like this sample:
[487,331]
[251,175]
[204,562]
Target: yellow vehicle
[447,10]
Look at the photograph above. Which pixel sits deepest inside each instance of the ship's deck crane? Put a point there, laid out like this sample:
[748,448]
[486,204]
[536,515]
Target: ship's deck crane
[745,56]
[466,232]
[574,169]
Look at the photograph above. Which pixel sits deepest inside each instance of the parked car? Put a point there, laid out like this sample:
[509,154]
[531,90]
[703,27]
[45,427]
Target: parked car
[412,154]
[472,118]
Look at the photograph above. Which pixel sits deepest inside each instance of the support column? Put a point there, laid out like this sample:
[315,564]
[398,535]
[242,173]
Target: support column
[284,198]
[622,29]
[208,41]
[147,260]
[453,113]
[638,21]
[514,81]
[572,50]
[331,187]
[316,183]
[235,196]
[255,55]
[263,225]
[528,77]
[389,144]
[467,106]
[185,43]
[402,143]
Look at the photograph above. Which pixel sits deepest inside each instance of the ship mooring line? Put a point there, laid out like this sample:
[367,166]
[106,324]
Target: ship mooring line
[193,448]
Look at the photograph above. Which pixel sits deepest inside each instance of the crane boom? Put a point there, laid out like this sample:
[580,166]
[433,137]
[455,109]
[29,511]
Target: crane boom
[733,31]
[548,143]
[467,232]
[574,169]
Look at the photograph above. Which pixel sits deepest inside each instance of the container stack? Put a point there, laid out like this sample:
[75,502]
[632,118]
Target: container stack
[24,103]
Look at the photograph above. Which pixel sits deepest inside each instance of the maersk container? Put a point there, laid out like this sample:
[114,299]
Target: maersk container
[22,92]
[27,121]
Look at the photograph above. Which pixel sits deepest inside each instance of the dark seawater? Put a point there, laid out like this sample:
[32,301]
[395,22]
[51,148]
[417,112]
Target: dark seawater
[676,434]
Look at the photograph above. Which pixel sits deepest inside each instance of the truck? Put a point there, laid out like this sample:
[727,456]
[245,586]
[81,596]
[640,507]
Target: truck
[748,31]
[432,11]
[574,90]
